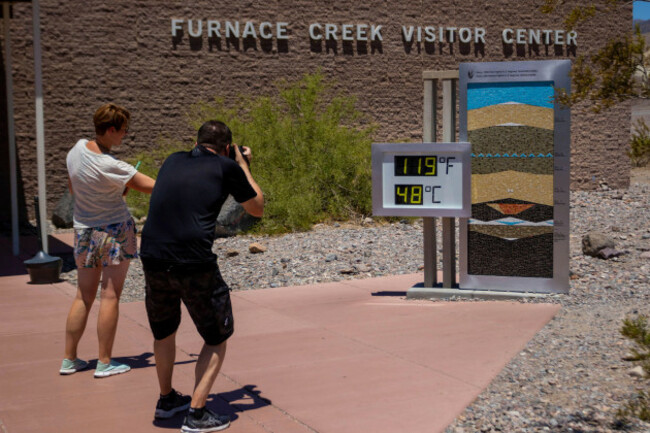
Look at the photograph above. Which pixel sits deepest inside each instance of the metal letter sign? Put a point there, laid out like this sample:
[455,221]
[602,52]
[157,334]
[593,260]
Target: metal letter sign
[421,179]
[517,237]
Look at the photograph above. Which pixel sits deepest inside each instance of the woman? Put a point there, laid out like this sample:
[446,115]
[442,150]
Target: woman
[105,240]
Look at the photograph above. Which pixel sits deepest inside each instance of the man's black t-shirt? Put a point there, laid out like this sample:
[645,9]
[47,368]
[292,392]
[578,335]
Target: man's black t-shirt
[190,189]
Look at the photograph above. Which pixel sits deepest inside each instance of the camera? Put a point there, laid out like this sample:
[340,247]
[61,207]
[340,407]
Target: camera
[232,154]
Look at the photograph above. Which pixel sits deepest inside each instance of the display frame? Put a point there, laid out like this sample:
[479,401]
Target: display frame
[556,71]
[460,178]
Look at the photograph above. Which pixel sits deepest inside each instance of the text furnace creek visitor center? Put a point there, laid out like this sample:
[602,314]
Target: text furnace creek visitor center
[158,58]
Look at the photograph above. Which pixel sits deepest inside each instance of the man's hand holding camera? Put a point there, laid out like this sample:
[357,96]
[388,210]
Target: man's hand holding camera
[242,154]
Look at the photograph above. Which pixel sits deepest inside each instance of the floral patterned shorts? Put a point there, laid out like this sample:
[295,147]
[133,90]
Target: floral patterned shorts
[106,245]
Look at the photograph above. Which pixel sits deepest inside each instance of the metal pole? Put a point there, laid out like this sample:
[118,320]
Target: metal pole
[13,176]
[448,224]
[429,224]
[40,133]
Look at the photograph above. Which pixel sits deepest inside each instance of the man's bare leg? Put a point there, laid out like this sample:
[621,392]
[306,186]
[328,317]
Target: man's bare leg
[207,369]
[165,353]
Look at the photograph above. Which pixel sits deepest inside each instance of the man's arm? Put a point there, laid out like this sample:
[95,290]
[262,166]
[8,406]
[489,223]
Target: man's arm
[254,206]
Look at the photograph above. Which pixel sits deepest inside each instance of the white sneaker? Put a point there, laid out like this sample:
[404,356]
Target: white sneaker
[113,367]
[72,366]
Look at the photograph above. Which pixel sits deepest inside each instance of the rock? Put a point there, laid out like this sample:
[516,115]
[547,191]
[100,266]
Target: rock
[345,271]
[367,221]
[645,255]
[630,357]
[608,253]
[593,242]
[256,248]
[63,212]
[232,253]
[233,219]
[638,371]
[331,257]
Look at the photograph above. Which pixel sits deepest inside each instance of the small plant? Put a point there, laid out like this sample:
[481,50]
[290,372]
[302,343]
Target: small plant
[639,152]
[637,330]
[637,407]
[150,162]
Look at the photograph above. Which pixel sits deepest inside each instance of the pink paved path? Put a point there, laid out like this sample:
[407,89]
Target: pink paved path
[350,356]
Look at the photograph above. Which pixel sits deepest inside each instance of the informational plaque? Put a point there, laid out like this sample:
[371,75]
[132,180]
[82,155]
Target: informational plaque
[517,237]
[421,179]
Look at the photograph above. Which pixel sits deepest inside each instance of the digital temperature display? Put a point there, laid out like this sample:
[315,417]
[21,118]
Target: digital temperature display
[408,194]
[415,165]
[421,179]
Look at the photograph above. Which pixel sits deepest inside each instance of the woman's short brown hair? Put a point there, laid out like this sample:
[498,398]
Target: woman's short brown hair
[110,115]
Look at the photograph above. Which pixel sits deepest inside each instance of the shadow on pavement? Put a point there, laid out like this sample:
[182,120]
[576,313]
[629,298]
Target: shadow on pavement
[388,293]
[225,403]
[13,265]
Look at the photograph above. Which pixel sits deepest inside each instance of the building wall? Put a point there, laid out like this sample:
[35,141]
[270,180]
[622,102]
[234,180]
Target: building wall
[124,51]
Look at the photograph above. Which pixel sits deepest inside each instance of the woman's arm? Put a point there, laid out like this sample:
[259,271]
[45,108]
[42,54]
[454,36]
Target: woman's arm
[141,182]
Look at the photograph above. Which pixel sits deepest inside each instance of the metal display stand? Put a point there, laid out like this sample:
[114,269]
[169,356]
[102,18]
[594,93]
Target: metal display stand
[552,74]
[431,79]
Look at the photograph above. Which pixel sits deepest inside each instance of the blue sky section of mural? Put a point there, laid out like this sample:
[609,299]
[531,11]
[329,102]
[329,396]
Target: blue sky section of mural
[481,95]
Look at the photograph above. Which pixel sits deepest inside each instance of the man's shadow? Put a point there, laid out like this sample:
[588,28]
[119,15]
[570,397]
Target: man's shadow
[225,403]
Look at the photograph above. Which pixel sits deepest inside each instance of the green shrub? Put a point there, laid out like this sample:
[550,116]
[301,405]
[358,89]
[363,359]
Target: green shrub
[637,330]
[639,152]
[637,407]
[311,151]
[150,163]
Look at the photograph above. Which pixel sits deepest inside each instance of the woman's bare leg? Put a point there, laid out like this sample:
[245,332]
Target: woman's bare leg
[112,284]
[87,283]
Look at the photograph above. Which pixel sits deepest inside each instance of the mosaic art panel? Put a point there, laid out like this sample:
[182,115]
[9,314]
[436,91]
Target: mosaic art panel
[510,126]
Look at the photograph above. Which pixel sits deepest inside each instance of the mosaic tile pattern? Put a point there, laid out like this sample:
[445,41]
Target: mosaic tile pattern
[534,212]
[526,162]
[511,131]
[511,233]
[514,138]
[534,188]
[510,112]
[491,255]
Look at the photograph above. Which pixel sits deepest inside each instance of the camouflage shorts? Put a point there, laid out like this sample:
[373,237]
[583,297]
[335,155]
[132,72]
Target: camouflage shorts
[202,290]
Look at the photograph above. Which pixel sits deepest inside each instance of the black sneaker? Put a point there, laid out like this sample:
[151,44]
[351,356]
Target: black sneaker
[209,422]
[171,404]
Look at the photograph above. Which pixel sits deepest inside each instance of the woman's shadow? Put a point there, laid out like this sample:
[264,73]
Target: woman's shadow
[224,403]
[136,361]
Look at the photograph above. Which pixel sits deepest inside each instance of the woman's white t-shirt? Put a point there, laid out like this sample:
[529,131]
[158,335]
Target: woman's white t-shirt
[98,182]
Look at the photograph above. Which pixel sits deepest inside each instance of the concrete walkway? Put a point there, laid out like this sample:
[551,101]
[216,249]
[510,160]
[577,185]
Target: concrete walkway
[352,356]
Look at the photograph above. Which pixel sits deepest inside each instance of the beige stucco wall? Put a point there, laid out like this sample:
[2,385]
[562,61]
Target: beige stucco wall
[123,51]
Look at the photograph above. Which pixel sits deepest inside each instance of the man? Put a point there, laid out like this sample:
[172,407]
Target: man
[179,264]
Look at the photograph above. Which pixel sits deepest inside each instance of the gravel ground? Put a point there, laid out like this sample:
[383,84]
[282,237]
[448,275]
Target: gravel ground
[569,378]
